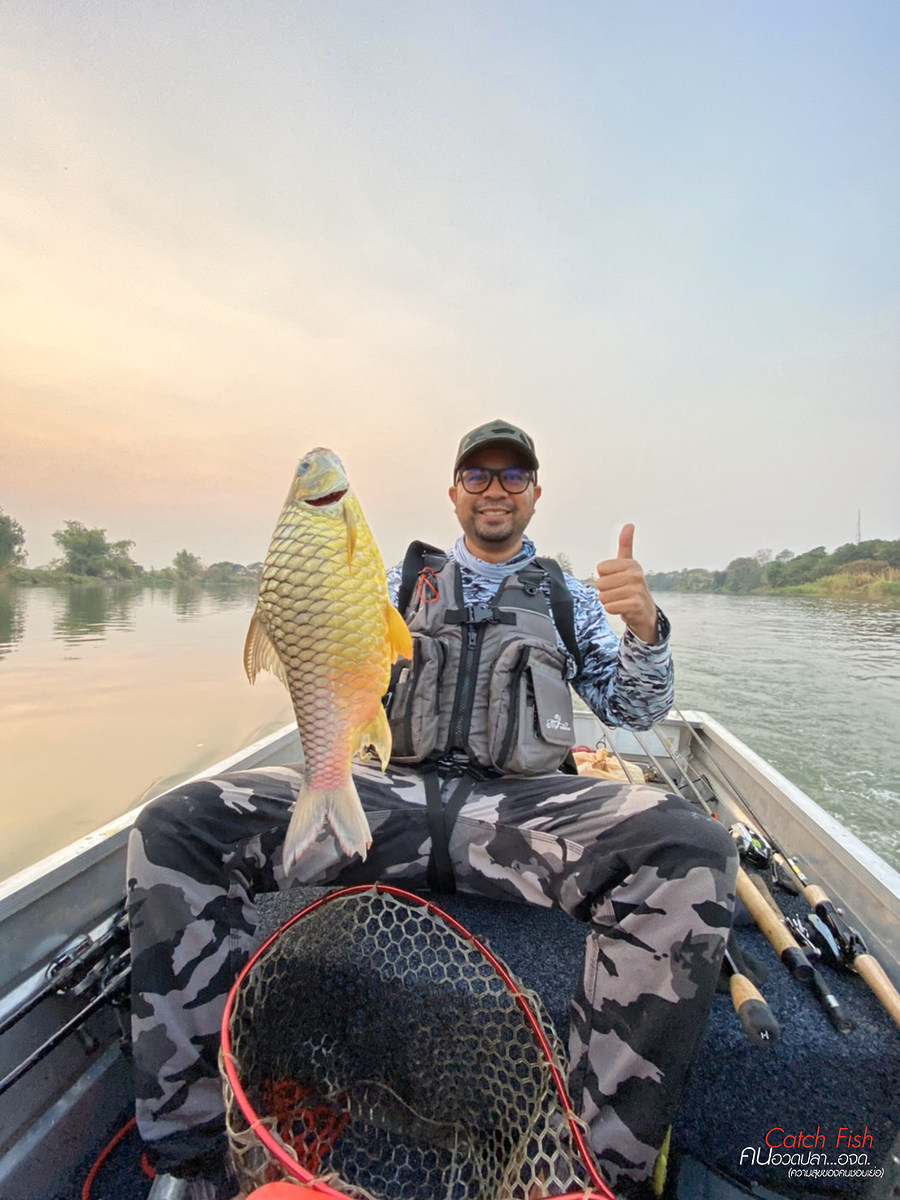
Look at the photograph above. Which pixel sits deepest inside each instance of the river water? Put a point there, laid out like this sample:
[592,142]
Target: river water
[109,695]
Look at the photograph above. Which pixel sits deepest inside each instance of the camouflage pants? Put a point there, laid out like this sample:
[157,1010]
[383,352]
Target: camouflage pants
[653,876]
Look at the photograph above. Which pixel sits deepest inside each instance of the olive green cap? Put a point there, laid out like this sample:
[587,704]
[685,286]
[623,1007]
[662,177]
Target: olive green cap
[497,433]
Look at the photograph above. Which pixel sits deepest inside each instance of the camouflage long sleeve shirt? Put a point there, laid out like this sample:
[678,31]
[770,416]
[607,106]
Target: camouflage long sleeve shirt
[623,680]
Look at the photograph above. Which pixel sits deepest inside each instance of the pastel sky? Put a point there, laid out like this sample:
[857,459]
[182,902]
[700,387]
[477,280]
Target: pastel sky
[663,237]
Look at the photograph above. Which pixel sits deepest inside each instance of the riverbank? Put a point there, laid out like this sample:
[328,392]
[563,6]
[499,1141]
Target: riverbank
[881,586]
[219,575]
[885,585]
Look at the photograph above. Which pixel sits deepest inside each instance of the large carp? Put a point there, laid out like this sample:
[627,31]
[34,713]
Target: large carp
[324,624]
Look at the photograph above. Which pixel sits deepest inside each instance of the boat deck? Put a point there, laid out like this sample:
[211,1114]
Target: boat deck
[815,1081]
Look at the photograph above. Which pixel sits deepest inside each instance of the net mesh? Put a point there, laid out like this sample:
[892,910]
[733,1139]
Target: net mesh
[372,1044]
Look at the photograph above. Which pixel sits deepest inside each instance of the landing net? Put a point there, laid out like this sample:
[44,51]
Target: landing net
[373,1048]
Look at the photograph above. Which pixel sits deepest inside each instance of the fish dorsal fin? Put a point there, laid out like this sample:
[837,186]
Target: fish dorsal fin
[260,654]
[350,522]
[399,637]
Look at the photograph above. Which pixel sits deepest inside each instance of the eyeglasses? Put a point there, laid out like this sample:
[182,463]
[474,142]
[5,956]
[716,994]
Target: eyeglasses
[512,479]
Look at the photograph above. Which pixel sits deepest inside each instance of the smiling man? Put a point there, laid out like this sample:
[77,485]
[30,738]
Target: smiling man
[476,798]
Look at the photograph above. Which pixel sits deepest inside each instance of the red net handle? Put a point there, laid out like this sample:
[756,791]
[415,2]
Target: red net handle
[309,1183]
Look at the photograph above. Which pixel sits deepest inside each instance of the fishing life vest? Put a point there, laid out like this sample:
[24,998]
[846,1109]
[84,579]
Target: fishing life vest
[487,682]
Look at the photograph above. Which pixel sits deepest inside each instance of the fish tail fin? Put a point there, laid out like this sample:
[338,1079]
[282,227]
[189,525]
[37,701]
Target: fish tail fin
[341,808]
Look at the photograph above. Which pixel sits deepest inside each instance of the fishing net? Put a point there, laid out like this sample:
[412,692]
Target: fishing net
[373,1048]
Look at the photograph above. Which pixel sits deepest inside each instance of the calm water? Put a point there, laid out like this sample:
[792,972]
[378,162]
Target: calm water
[108,696]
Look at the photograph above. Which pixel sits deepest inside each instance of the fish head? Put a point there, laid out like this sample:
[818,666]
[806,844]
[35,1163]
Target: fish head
[320,480]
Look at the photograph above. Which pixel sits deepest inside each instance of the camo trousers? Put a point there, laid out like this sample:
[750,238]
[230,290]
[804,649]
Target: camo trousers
[653,877]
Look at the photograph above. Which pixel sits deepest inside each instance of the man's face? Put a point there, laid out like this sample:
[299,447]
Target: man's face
[494,520]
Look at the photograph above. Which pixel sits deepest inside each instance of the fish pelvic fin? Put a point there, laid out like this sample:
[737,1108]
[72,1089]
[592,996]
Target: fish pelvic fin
[338,807]
[351,524]
[260,654]
[377,734]
[399,637]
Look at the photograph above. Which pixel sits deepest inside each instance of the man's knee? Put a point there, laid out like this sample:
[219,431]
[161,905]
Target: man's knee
[674,837]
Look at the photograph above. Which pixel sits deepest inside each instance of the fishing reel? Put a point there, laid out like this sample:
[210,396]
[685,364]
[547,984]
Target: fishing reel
[752,846]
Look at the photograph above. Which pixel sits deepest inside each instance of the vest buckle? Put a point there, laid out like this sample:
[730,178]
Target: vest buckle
[479,614]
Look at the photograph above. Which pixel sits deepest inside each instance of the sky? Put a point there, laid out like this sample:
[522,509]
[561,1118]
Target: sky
[662,237]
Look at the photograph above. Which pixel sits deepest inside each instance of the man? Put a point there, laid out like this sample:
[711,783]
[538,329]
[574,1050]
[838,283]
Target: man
[652,876]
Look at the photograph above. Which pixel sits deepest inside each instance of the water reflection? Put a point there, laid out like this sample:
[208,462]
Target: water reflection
[90,609]
[193,600]
[12,618]
[187,600]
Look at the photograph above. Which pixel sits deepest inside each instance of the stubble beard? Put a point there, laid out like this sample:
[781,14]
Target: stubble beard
[493,532]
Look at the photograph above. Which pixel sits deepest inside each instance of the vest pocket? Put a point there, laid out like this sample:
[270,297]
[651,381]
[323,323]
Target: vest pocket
[531,706]
[414,710]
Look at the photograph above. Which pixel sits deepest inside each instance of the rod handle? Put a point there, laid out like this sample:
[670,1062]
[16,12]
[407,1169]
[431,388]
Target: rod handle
[875,976]
[831,1004]
[757,1019]
[772,929]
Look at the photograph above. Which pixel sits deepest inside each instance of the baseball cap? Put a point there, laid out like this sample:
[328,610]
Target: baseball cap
[497,433]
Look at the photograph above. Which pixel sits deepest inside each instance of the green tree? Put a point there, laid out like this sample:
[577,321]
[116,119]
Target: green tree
[87,552]
[743,575]
[803,568]
[229,572]
[12,542]
[187,565]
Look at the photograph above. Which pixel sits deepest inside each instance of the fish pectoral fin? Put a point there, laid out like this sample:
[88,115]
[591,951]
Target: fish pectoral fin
[351,523]
[377,734]
[340,808]
[399,637]
[260,654]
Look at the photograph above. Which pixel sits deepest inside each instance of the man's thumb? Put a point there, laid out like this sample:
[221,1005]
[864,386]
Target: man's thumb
[626,542]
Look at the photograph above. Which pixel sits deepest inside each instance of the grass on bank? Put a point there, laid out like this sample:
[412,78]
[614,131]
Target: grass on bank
[865,585]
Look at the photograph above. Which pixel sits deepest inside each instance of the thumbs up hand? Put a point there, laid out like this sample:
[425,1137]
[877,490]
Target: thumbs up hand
[624,592]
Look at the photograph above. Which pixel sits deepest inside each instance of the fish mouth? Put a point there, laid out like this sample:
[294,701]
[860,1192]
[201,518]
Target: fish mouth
[323,501]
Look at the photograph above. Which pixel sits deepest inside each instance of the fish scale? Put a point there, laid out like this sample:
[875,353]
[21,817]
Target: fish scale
[325,625]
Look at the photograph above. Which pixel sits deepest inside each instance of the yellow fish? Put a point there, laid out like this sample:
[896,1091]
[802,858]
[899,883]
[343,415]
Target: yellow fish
[324,624]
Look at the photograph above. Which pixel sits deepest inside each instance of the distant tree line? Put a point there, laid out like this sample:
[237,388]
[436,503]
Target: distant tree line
[88,554]
[853,563]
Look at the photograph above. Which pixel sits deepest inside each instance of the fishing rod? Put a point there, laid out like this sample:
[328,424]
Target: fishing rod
[767,916]
[854,954]
[757,1019]
[830,1002]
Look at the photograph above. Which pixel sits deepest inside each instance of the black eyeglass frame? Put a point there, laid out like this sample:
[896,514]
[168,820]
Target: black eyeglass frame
[493,473]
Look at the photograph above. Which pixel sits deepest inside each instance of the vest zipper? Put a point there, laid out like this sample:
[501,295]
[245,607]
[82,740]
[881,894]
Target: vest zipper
[465,689]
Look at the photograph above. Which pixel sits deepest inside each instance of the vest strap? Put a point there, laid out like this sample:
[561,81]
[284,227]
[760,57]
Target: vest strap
[563,608]
[479,614]
[441,818]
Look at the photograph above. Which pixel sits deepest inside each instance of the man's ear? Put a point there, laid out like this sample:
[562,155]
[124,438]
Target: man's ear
[537,492]
[451,492]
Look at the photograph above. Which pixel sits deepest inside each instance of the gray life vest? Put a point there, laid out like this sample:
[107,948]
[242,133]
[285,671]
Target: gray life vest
[487,682]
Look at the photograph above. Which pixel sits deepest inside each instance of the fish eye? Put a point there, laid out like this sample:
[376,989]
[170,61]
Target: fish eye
[303,466]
